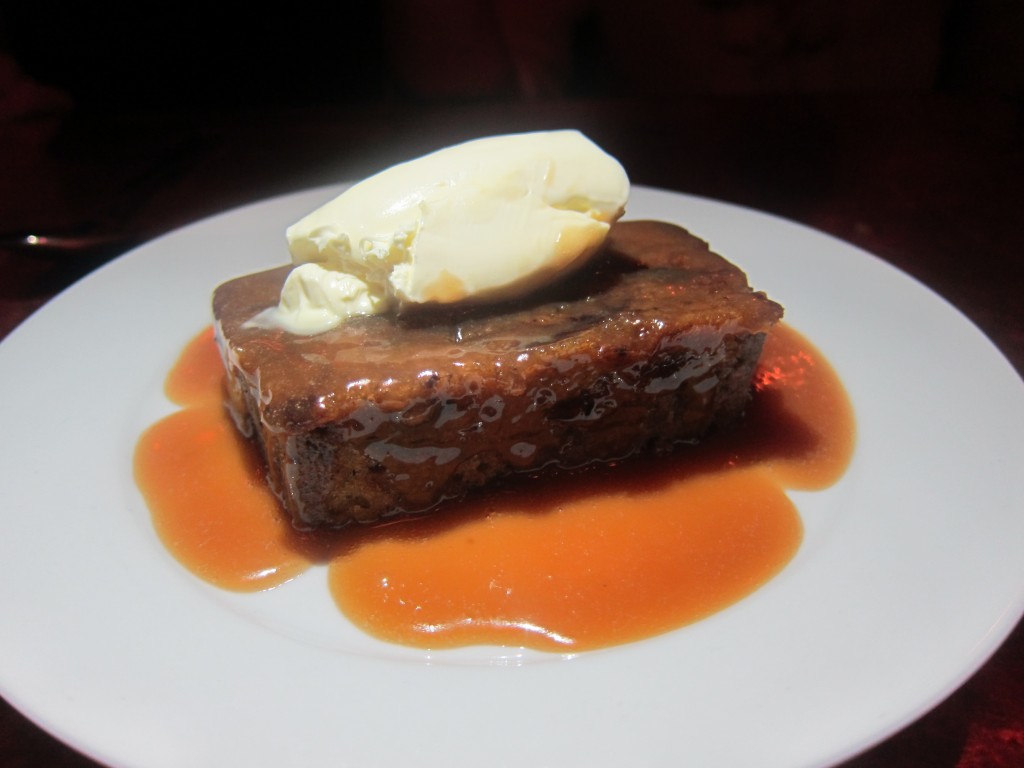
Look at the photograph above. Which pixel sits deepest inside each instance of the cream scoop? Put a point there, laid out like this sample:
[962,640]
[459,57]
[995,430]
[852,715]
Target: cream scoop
[486,220]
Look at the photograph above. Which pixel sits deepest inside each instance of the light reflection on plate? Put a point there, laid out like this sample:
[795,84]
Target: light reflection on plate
[909,576]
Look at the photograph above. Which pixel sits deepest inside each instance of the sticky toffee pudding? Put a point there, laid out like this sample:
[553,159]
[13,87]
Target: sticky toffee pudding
[651,344]
[602,463]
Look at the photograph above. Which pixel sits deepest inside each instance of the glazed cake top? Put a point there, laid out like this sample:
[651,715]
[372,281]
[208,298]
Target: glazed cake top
[652,284]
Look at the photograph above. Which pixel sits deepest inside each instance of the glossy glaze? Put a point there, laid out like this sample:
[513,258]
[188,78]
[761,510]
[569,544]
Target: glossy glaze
[570,562]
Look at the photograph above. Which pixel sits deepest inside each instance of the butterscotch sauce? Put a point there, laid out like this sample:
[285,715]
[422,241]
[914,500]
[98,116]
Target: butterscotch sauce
[606,556]
[204,484]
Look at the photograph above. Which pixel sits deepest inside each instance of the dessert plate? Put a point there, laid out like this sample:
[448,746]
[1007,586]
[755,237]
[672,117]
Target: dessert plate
[909,576]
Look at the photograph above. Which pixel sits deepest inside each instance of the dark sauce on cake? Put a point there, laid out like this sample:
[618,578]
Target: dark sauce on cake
[604,556]
[652,343]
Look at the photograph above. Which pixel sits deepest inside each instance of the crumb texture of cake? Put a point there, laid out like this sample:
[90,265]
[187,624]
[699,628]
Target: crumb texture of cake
[652,343]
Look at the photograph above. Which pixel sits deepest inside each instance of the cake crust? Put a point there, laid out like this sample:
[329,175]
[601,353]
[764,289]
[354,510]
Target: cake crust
[652,343]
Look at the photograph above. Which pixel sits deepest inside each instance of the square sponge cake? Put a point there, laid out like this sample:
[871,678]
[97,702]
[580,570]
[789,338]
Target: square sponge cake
[652,343]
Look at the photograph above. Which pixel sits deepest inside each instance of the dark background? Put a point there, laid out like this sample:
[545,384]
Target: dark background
[101,104]
[173,56]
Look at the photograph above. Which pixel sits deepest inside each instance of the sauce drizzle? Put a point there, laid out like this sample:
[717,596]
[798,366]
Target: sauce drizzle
[600,557]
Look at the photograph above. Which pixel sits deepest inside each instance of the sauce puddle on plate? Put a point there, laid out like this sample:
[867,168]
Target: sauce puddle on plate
[585,560]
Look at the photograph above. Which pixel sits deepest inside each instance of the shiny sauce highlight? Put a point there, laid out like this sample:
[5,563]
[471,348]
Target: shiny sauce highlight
[571,562]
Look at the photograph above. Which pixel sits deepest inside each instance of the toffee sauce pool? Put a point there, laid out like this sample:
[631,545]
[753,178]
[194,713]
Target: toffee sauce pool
[591,559]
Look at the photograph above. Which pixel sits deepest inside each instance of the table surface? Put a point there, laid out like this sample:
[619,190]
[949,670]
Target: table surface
[933,184]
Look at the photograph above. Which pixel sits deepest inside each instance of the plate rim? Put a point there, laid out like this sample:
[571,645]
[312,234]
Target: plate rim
[988,643]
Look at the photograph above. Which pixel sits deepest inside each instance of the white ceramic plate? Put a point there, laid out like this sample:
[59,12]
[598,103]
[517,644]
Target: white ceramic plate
[909,577]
